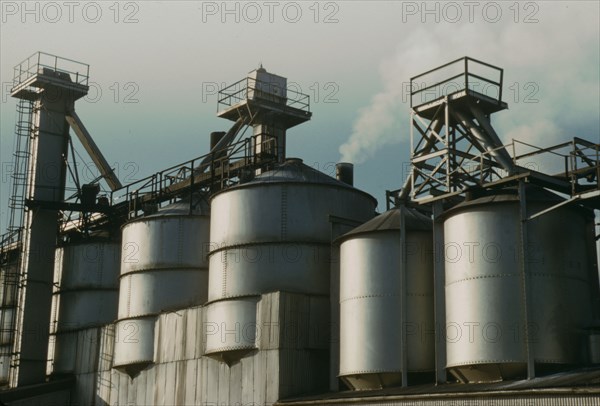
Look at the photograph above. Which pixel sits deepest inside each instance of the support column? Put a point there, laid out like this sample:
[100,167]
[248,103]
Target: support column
[439,289]
[46,183]
[525,282]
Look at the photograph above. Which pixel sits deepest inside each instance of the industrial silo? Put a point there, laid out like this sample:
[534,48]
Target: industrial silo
[372,291]
[272,234]
[86,294]
[492,305]
[163,268]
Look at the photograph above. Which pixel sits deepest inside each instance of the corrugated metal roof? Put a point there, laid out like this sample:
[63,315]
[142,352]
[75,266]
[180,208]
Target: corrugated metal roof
[533,193]
[294,170]
[390,220]
[200,206]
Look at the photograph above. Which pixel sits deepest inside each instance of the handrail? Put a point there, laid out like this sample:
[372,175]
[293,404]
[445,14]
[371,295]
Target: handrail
[586,152]
[157,183]
[438,68]
[465,85]
[239,91]
[30,66]
[10,237]
[437,84]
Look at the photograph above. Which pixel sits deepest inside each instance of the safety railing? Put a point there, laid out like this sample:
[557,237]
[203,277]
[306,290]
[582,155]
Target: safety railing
[10,240]
[39,62]
[576,163]
[461,74]
[571,160]
[253,89]
[159,185]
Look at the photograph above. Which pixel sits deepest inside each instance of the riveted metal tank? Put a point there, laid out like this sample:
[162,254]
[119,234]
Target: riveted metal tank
[485,301]
[9,272]
[163,268]
[274,233]
[86,294]
[371,289]
[230,328]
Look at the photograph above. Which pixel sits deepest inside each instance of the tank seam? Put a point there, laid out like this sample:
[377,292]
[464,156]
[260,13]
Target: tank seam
[499,275]
[165,269]
[380,371]
[271,242]
[538,274]
[224,276]
[384,295]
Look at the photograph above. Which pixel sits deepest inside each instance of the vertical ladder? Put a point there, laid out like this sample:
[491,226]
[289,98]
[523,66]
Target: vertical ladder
[11,246]
[23,131]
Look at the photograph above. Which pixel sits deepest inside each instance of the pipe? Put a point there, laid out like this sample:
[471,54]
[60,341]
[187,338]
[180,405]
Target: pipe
[344,172]
[488,138]
[223,141]
[93,150]
[215,137]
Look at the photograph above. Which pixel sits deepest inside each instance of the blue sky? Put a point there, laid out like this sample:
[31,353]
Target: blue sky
[156,66]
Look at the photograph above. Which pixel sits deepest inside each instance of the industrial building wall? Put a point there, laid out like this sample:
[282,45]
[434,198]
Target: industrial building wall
[292,359]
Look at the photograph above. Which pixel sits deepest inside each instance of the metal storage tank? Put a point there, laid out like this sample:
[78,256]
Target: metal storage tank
[230,328]
[272,234]
[163,268]
[9,272]
[371,292]
[86,294]
[485,311]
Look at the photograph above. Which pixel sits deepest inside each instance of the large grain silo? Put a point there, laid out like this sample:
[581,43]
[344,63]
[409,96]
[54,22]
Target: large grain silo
[163,267]
[386,300]
[86,294]
[272,234]
[496,314]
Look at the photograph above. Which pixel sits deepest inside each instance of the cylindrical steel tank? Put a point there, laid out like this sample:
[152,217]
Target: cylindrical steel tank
[274,233]
[485,301]
[9,272]
[163,268]
[86,294]
[230,328]
[371,289]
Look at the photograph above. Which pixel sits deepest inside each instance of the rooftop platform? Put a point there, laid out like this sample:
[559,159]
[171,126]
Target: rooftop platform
[42,71]
[249,96]
[463,98]
[465,80]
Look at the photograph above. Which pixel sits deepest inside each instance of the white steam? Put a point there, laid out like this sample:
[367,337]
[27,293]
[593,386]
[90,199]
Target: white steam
[539,84]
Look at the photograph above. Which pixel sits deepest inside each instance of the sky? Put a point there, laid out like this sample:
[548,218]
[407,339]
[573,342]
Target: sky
[154,68]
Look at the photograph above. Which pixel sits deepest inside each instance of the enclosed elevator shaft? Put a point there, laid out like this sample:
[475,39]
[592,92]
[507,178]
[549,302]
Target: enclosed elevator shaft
[53,91]
[264,102]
